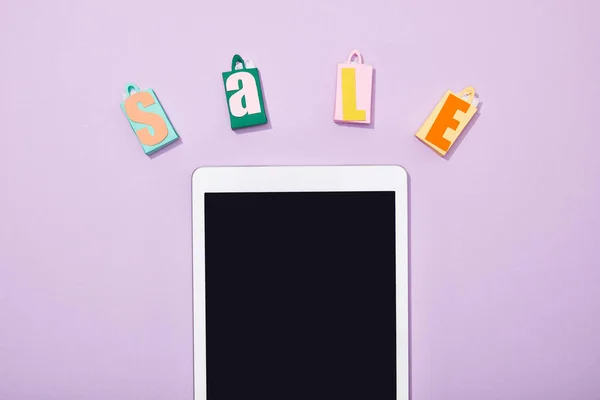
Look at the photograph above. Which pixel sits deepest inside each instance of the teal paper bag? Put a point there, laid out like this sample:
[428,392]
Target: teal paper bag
[244,95]
[148,119]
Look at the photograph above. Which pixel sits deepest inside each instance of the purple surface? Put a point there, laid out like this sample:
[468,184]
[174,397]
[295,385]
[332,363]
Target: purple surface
[95,237]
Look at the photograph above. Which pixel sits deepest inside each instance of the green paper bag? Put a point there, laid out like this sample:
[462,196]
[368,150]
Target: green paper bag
[244,95]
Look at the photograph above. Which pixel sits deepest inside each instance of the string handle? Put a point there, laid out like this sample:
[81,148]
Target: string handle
[355,53]
[235,60]
[130,87]
[469,93]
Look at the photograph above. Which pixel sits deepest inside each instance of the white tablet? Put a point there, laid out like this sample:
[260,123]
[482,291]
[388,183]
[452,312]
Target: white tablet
[300,283]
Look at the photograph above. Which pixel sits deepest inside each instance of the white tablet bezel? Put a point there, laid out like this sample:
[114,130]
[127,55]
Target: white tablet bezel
[301,179]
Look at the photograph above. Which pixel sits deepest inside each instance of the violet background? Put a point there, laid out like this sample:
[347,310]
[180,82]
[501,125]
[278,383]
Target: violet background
[95,237]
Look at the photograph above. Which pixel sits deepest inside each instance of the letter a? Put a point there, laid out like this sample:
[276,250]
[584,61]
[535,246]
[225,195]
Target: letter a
[245,100]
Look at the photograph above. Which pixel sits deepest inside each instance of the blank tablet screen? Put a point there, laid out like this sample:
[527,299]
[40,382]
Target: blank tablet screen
[300,296]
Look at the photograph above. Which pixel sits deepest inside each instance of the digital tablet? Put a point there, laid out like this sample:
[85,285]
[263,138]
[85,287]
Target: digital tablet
[300,283]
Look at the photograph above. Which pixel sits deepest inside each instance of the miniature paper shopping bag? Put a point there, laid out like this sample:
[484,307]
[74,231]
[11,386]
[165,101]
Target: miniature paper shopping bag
[353,91]
[244,95]
[447,121]
[147,119]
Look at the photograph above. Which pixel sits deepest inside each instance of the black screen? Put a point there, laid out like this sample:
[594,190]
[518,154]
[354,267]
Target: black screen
[300,296]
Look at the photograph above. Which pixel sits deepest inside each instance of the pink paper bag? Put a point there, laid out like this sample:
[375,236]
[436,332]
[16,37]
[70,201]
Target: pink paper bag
[353,91]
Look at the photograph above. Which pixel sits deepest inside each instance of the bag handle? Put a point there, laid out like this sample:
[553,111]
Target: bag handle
[130,87]
[235,60]
[469,93]
[357,54]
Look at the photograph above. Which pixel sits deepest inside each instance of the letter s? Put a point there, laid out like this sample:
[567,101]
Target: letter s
[143,117]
